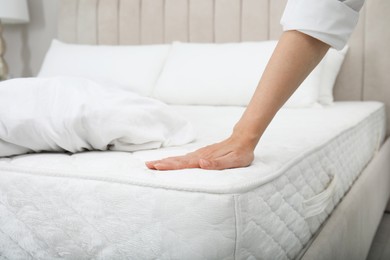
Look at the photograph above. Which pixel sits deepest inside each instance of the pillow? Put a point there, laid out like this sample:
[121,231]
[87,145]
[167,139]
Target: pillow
[228,74]
[331,65]
[78,114]
[134,67]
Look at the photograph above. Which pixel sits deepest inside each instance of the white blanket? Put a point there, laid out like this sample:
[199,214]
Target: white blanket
[76,114]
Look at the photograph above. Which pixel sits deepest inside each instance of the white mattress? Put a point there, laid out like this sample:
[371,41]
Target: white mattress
[109,205]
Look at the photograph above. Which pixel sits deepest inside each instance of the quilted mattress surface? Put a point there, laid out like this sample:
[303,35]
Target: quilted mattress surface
[108,205]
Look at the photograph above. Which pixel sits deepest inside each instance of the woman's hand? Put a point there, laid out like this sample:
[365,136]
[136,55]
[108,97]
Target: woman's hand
[230,153]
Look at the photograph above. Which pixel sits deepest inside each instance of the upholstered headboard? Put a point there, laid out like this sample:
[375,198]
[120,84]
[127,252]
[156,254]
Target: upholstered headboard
[365,74]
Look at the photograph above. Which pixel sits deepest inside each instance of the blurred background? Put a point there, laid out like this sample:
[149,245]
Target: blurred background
[26,44]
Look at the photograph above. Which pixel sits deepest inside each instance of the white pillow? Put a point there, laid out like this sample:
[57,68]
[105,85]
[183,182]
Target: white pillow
[134,67]
[227,74]
[331,65]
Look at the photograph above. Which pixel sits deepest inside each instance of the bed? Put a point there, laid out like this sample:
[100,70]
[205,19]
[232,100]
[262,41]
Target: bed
[303,198]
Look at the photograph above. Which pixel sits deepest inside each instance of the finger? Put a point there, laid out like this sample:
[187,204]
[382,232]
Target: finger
[151,164]
[227,161]
[177,163]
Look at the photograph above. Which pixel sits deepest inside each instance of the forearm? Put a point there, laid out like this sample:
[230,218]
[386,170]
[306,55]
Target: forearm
[295,56]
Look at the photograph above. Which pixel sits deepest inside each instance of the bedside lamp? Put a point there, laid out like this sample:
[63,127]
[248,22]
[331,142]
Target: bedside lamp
[11,11]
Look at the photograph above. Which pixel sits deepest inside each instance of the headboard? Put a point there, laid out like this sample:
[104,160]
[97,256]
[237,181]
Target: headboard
[365,74]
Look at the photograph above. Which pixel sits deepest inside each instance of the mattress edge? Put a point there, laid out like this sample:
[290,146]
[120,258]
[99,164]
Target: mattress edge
[227,189]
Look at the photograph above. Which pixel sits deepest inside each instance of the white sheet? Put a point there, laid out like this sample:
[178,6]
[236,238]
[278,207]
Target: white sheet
[109,205]
[76,114]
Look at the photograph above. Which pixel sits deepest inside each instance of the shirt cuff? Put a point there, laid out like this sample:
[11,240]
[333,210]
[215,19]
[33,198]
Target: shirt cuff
[330,21]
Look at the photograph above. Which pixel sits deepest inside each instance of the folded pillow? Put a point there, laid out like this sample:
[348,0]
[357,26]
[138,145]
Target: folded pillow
[228,73]
[136,67]
[75,114]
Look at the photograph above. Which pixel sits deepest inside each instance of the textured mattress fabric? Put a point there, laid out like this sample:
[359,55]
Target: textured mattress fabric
[108,205]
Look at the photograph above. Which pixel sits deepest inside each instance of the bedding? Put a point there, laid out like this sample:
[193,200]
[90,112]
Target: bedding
[188,73]
[109,205]
[76,114]
[228,74]
[134,67]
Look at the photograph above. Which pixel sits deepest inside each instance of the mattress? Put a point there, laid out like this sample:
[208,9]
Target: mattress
[109,205]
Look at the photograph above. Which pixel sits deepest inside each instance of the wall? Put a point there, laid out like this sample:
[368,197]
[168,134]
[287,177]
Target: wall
[28,43]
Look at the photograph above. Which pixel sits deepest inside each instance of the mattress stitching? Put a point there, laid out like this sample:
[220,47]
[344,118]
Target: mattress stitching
[308,184]
[109,180]
[270,236]
[335,202]
[54,222]
[5,257]
[302,198]
[16,243]
[316,180]
[94,227]
[304,154]
[270,233]
[278,216]
[86,221]
[325,155]
[27,227]
[328,173]
[243,188]
[282,220]
[236,220]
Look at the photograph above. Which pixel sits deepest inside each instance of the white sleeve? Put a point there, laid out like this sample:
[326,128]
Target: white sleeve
[331,21]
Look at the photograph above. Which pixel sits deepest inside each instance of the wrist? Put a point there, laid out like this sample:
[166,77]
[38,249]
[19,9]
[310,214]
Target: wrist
[245,137]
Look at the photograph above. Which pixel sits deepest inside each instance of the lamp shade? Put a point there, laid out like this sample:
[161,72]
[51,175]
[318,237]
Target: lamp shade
[14,11]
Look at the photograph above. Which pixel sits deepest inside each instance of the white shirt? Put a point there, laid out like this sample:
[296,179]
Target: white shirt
[331,21]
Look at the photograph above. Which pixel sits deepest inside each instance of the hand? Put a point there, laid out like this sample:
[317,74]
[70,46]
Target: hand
[230,153]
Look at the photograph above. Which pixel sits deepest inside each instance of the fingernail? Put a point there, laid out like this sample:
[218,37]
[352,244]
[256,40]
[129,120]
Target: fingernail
[157,166]
[205,163]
